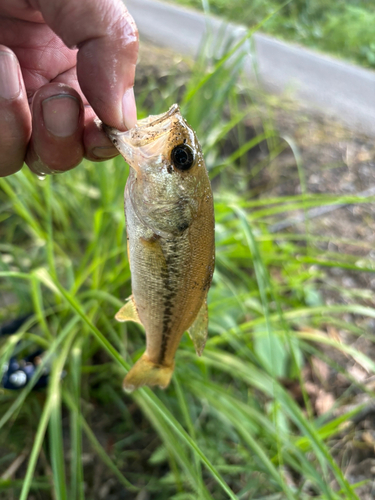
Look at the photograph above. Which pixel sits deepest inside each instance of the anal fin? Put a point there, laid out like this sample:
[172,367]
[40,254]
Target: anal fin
[128,312]
[199,329]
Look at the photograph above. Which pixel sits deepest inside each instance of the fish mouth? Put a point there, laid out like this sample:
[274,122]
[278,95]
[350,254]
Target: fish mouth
[154,120]
[146,131]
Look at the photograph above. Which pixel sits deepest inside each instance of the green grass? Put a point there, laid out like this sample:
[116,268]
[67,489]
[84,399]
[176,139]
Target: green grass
[344,28]
[226,427]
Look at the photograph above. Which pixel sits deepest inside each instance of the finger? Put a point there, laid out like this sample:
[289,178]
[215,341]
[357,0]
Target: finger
[70,78]
[20,10]
[15,118]
[97,145]
[57,138]
[107,39]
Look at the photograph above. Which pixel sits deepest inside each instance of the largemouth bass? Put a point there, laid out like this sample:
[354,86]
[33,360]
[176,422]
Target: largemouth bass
[170,229]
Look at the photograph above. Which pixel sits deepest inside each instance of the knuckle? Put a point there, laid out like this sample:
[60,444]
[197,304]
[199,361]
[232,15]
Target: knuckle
[129,28]
[78,22]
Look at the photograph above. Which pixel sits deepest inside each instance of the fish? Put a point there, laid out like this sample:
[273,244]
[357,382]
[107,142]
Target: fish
[170,224]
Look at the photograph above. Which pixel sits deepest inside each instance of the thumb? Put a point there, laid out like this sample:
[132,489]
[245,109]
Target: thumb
[107,40]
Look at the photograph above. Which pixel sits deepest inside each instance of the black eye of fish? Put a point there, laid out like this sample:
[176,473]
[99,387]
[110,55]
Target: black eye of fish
[182,157]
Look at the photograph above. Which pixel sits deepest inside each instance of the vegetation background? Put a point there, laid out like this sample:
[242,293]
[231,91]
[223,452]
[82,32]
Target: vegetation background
[279,406]
[344,28]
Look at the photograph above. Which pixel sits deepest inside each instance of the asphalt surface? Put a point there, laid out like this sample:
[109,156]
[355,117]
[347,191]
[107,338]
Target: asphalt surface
[339,89]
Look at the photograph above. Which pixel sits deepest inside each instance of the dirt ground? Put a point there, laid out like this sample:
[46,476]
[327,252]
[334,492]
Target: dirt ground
[339,161]
[336,160]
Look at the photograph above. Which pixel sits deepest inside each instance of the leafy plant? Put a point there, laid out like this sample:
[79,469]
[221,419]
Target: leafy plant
[343,28]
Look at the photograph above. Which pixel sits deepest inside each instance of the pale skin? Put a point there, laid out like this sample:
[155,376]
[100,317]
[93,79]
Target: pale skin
[63,63]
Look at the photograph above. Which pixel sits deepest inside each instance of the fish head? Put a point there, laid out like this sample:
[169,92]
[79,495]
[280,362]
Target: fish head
[168,177]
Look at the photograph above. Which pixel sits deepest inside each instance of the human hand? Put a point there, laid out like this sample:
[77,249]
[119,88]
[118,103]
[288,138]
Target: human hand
[62,63]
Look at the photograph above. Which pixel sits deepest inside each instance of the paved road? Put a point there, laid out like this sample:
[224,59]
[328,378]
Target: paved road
[333,87]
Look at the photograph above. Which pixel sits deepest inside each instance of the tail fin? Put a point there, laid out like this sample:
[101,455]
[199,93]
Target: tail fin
[145,372]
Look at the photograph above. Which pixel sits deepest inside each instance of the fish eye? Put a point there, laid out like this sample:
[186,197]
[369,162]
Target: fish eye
[182,157]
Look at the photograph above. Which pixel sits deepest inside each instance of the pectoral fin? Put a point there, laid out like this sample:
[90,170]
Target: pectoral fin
[128,312]
[199,329]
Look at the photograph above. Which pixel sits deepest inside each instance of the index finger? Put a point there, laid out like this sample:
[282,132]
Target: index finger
[107,41]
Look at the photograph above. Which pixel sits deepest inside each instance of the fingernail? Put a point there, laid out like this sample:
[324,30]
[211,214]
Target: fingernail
[129,109]
[104,152]
[9,77]
[60,114]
